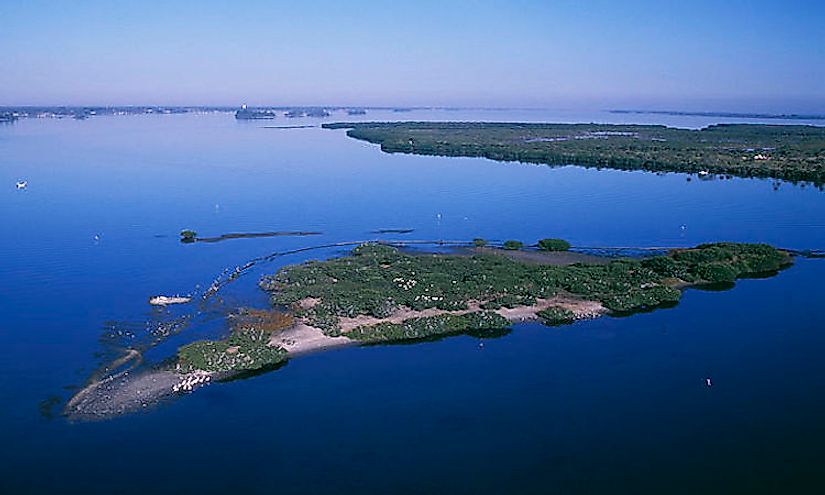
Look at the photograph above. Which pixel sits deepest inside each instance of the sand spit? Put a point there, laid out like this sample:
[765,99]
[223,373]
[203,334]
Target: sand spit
[302,339]
[122,394]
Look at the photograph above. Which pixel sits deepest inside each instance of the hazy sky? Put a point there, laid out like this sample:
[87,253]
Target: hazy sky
[761,55]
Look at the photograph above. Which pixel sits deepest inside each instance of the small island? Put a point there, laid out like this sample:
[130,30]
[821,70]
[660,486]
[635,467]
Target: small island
[379,293]
[787,152]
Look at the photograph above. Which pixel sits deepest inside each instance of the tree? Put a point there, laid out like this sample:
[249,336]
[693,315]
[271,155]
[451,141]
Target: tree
[187,235]
[554,245]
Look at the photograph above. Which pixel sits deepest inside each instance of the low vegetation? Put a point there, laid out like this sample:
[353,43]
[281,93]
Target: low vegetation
[242,351]
[378,280]
[556,315]
[789,152]
[246,349]
[429,327]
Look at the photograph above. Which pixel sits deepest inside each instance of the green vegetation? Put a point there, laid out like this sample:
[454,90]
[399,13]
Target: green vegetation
[553,245]
[512,245]
[376,280]
[556,315]
[246,349]
[428,327]
[789,152]
[242,351]
[187,236]
[479,242]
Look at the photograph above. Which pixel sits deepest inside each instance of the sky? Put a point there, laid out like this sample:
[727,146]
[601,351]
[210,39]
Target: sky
[694,55]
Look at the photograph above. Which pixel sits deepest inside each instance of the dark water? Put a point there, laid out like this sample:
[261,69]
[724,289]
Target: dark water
[612,405]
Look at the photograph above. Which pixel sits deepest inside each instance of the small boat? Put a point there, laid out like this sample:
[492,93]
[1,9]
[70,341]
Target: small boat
[708,382]
[22,184]
[703,173]
[165,300]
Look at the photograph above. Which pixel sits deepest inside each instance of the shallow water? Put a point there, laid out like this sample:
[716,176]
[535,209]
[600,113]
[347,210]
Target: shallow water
[617,404]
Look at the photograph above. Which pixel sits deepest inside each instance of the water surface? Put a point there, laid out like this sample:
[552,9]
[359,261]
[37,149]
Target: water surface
[605,405]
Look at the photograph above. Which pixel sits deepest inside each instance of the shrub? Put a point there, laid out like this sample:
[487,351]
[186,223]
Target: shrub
[554,245]
[187,235]
[556,315]
[513,245]
[479,242]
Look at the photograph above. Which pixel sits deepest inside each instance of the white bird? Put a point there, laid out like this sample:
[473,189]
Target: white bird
[22,184]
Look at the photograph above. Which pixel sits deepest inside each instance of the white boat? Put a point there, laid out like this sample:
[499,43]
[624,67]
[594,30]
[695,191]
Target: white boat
[22,184]
[703,173]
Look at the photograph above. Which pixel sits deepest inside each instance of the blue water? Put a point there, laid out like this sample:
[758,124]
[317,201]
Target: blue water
[611,405]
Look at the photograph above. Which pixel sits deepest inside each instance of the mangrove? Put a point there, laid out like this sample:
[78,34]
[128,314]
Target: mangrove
[787,152]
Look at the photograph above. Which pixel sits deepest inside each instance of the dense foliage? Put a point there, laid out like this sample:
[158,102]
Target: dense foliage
[376,280]
[432,326]
[790,152]
[556,315]
[187,235]
[513,245]
[553,245]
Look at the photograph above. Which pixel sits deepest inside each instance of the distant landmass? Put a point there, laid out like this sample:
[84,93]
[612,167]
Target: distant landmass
[254,114]
[731,115]
[788,152]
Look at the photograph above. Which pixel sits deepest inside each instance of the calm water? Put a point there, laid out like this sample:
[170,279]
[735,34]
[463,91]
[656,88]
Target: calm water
[612,405]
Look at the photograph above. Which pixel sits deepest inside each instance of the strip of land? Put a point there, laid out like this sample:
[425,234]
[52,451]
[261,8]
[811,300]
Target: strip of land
[787,152]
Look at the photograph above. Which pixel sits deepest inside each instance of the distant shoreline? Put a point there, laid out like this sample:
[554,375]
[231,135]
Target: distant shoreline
[731,115]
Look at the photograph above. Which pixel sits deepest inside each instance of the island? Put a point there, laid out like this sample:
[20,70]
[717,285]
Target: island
[787,152]
[381,294]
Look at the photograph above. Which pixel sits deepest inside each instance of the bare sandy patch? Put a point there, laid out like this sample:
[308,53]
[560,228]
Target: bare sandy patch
[302,338]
